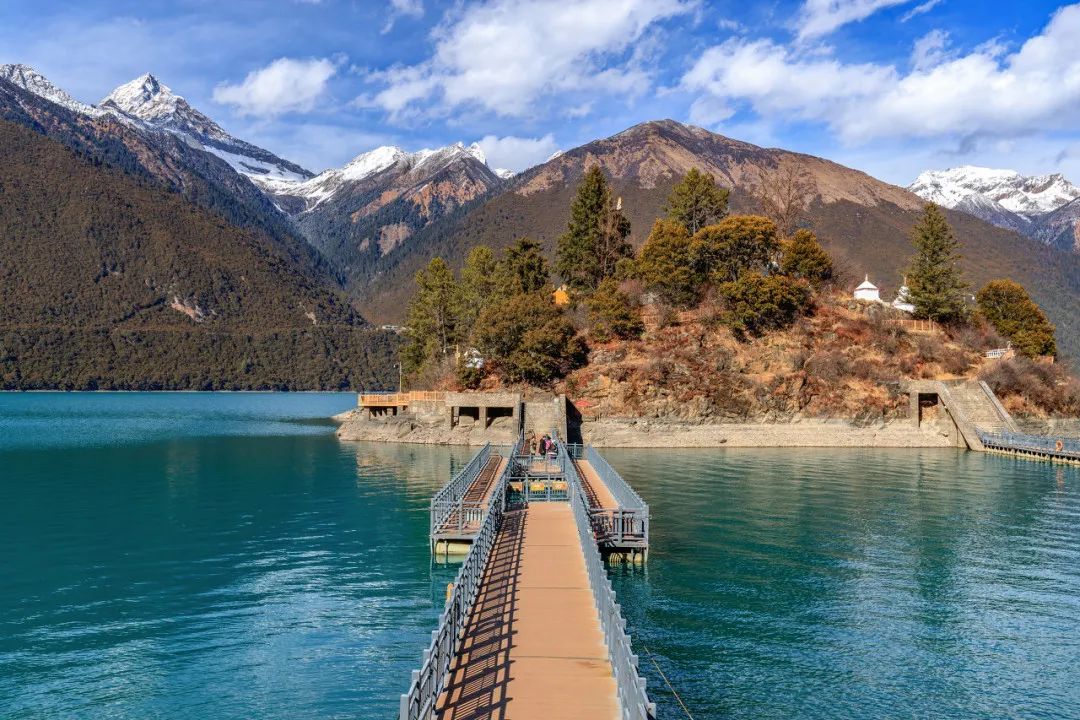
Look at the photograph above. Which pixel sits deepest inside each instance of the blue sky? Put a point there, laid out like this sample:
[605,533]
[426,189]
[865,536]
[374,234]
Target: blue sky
[891,87]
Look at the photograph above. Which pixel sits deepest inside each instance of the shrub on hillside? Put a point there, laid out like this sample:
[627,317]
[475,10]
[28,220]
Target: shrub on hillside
[1012,312]
[757,303]
[612,315]
[1046,388]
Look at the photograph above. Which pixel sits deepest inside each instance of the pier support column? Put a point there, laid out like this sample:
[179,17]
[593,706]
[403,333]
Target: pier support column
[913,408]
[483,417]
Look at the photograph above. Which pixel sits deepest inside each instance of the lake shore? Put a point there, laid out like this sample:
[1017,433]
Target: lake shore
[658,433]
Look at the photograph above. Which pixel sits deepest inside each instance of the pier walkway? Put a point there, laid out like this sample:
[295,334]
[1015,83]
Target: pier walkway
[531,626]
[533,647]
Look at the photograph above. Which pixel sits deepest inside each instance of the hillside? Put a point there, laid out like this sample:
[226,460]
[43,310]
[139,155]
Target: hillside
[111,281]
[863,222]
[169,159]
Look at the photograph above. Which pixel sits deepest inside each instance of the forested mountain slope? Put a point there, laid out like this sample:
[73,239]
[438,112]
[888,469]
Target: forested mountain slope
[108,280]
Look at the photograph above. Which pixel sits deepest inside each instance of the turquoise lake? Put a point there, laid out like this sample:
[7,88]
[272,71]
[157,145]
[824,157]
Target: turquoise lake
[205,556]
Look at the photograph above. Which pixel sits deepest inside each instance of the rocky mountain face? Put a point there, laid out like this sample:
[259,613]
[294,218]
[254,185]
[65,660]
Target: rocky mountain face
[171,159]
[1029,205]
[360,214]
[148,100]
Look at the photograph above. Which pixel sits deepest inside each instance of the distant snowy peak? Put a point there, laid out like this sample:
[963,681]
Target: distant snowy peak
[413,166]
[32,81]
[150,101]
[504,173]
[1027,196]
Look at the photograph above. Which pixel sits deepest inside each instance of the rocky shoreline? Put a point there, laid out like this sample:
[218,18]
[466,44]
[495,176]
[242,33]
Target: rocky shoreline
[658,433]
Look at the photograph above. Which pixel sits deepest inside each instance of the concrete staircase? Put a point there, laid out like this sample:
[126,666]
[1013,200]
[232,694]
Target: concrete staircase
[976,403]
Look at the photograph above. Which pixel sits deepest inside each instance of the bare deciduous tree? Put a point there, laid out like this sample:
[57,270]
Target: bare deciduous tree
[784,193]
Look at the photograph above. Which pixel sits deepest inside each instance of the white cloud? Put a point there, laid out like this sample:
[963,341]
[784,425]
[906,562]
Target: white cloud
[930,50]
[501,56]
[402,8]
[920,9]
[985,92]
[821,17]
[517,153]
[285,85]
[774,81]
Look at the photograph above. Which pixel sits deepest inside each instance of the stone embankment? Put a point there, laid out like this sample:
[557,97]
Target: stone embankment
[411,429]
[805,433]
[653,433]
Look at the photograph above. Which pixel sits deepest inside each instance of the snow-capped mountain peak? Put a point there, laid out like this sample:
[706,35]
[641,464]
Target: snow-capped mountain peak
[1028,196]
[1027,204]
[32,81]
[146,98]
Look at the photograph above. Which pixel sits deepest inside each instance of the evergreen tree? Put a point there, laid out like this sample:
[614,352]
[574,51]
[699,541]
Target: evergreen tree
[696,201]
[736,245]
[434,317]
[665,266]
[595,239]
[803,257]
[524,268]
[479,285]
[756,303]
[527,338]
[612,315]
[1012,312]
[936,285]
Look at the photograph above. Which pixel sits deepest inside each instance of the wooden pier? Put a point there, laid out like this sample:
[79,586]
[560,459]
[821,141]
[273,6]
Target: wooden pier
[531,627]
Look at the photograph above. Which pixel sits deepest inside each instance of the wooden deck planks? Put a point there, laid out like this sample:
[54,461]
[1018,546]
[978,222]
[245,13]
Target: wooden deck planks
[533,646]
[596,489]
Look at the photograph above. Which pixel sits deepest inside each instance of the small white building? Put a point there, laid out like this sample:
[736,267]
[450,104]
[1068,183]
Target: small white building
[903,299]
[868,291]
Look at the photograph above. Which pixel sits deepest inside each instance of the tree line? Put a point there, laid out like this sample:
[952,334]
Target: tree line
[502,316]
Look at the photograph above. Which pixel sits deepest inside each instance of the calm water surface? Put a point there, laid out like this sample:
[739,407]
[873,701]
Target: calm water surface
[224,556]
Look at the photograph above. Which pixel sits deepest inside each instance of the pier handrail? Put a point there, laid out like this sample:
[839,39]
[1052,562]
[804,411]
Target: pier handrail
[629,684]
[1069,447]
[450,495]
[429,681]
[625,495]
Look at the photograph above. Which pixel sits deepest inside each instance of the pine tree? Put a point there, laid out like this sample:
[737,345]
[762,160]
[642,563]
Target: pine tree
[665,266]
[696,201]
[1012,312]
[803,257]
[595,239]
[524,269]
[434,317]
[479,285]
[935,282]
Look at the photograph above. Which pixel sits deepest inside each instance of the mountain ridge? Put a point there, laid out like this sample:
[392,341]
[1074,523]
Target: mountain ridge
[1008,199]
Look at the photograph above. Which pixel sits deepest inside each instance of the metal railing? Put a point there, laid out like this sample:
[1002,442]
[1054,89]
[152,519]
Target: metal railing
[629,685]
[449,499]
[390,399]
[1039,444]
[429,681]
[629,522]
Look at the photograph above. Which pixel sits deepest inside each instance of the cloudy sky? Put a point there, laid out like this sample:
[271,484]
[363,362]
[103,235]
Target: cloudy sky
[891,87]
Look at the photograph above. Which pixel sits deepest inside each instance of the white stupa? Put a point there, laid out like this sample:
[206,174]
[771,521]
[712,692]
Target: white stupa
[903,299]
[868,291]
